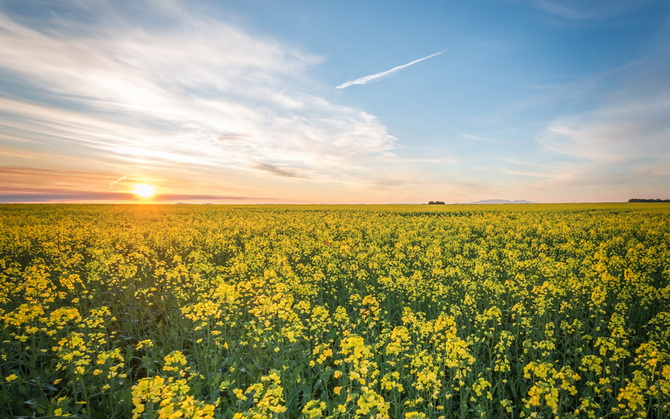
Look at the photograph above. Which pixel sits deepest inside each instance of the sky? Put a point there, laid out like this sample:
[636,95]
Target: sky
[373,101]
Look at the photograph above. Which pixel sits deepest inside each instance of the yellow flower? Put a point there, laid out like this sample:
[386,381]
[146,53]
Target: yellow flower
[11,377]
[314,409]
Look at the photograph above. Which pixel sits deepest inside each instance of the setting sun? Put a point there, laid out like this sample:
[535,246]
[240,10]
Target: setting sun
[144,190]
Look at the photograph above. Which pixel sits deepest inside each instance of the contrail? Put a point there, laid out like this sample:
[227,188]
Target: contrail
[377,76]
[111,185]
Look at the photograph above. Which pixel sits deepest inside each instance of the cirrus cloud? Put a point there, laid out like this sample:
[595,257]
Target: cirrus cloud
[193,91]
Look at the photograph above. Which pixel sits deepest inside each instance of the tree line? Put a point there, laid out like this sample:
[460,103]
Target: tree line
[648,200]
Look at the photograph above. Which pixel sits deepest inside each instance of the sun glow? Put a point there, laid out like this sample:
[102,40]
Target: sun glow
[144,190]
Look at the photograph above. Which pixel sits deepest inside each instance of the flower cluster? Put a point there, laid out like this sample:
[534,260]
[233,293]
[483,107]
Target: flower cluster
[344,311]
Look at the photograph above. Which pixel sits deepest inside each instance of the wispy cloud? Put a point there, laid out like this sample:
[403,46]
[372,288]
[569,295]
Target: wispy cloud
[525,173]
[275,170]
[25,184]
[124,177]
[590,10]
[625,134]
[378,76]
[191,93]
[15,178]
[57,196]
[620,147]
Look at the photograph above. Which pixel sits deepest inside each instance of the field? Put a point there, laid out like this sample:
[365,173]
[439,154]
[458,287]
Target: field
[335,311]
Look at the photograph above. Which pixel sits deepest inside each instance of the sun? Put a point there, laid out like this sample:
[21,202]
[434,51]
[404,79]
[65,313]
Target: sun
[144,190]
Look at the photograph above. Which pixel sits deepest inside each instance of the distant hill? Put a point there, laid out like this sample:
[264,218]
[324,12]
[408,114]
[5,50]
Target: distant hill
[500,201]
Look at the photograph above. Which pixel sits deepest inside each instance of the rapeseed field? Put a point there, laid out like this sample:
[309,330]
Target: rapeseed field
[335,311]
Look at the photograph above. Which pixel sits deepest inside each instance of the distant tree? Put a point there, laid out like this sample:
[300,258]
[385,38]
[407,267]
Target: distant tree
[435,203]
[648,200]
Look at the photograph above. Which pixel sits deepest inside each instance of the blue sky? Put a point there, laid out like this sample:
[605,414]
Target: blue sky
[232,101]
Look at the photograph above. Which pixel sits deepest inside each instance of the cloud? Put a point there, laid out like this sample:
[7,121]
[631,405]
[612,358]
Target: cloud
[378,76]
[590,10]
[626,134]
[187,91]
[525,173]
[124,177]
[276,170]
[623,148]
[20,178]
[232,136]
[621,145]
[210,197]
[54,196]
[611,153]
